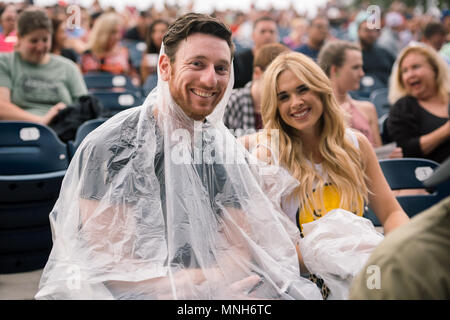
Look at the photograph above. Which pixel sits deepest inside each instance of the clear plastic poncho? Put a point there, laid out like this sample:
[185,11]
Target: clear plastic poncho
[155,205]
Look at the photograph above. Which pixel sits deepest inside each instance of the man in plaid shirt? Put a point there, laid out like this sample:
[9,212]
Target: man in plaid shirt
[243,112]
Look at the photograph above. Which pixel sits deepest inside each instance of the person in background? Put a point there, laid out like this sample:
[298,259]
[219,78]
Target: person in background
[155,35]
[299,101]
[413,261]
[78,35]
[59,38]
[35,84]
[376,60]
[8,34]
[105,53]
[265,31]
[419,93]
[342,62]
[445,19]
[139,32]
[336,166]
[243,111]
[317,34]
[445,50]
[297,36]
[434,35]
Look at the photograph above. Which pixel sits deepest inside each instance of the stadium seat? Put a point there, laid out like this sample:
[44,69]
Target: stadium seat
[410,173]
[135,49]
[114,102]
[82,132]
[33,162]
[369,83]
[379,98]
[382,124]
[150,83]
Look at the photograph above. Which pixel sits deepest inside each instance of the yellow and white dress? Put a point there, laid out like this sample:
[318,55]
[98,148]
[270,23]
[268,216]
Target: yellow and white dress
[331,200]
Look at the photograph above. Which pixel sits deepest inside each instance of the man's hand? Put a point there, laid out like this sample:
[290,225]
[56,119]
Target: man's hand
[186,280]
[241,290]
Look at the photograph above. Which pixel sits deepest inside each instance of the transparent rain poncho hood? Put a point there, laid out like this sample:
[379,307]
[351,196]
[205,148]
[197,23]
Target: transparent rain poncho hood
[156,205]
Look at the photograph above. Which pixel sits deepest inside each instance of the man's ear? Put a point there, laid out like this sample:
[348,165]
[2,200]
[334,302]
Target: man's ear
[165,67]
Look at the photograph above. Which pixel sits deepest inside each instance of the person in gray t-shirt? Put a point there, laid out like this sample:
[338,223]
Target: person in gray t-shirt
[34,84]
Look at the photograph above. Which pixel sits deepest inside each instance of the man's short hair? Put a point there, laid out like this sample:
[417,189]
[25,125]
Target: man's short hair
[191,23]
[144,14]
[33,19]
[433,28]
[267,53]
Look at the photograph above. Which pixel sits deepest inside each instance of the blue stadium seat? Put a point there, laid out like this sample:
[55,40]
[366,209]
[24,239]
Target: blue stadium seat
[33,162]
[135,49]
[30,148]
[369,83]
[410,173]
[107,81]
[382,124]
[379,98]
[82,132]
[150,83]
[114,102]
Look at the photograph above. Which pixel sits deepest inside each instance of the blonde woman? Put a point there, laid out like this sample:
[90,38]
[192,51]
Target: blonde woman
[105,54]
[419,91]
[336,166]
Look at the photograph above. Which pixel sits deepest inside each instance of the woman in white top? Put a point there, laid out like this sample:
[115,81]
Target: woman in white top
[305,129]
[336,167]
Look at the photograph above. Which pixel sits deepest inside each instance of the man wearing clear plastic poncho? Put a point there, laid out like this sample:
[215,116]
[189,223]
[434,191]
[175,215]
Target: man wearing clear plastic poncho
[161,201]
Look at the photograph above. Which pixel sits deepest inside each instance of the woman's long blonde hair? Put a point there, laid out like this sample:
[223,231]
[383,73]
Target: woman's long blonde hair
[101,31]
[397,89]
[342,159]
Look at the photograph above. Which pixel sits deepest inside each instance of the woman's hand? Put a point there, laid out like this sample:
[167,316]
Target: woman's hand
[396,153]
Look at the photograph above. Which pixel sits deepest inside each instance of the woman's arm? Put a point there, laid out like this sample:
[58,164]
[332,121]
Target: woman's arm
[10,111]
[432,140]
[381,198]
[369,110]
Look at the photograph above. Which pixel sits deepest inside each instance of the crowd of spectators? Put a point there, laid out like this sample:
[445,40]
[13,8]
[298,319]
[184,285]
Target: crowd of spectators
[100,39]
